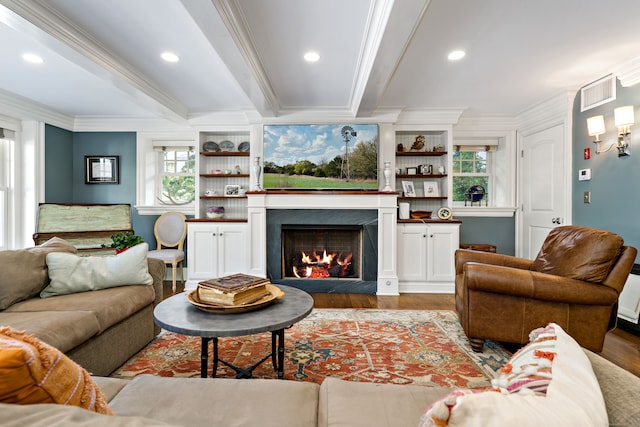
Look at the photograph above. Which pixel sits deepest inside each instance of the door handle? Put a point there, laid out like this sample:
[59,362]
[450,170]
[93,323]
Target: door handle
[556,220]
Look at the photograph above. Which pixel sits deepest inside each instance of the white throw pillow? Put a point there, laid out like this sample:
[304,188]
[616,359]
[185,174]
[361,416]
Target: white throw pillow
[72,273]
[573,396]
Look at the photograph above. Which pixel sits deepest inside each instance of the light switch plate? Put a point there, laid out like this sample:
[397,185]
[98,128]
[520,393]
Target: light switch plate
[584,174]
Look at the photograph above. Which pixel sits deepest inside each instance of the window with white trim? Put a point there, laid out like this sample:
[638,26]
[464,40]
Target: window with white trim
[166,172]
[176,180]
[472,170]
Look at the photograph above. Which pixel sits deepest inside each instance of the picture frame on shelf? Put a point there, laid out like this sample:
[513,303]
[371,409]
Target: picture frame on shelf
[232,190]
[412,171]
[409,189]
[431,189]
[102,169]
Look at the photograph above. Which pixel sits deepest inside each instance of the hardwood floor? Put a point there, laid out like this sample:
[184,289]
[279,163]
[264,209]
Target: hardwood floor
[620,347]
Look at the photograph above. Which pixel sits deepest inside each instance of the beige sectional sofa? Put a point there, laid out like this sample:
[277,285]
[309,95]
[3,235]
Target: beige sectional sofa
[155,401]
[100,330]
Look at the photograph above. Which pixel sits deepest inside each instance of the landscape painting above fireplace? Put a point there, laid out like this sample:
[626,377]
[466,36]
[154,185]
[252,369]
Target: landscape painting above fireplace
[321,157]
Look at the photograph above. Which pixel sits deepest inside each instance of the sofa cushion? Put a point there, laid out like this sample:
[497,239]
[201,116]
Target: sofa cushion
[108,306]
[573,396]
[63,330]
[34,372]
[71,273]
[356,404]
[220,402]
[580,253]
[24,271]
[52,415]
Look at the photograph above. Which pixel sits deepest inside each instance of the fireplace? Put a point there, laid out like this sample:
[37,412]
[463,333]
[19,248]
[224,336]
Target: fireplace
[323,251]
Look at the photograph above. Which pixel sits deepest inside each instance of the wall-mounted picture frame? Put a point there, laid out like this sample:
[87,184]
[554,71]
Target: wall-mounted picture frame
[101,169]
[232,190]
[409,189]
[431,189]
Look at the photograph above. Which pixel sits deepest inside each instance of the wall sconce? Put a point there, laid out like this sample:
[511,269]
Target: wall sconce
[624,118]
[595,127]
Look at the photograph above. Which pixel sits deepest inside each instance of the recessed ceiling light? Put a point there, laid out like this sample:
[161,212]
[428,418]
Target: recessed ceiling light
[311,56]
[456,54]
[170,57]
[34,59]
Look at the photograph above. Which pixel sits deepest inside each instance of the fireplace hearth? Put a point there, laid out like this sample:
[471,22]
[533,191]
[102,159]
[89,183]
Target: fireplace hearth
[318,250]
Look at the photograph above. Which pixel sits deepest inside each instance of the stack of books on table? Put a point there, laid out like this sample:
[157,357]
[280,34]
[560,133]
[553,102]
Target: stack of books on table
[235,290]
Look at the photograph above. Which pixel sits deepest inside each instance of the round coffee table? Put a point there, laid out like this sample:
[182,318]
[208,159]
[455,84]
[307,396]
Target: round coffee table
[177,314]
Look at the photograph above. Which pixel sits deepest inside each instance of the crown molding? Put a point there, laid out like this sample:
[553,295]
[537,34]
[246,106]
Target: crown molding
[430,116]
[554,110]
[21,108]
[629,72]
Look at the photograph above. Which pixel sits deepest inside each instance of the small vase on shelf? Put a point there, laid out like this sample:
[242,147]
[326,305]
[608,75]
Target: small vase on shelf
[387,177]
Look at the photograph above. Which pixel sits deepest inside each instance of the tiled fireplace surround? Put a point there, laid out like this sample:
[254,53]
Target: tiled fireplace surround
[268,210]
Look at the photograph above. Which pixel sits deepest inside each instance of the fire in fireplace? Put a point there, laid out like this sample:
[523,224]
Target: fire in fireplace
[321,252]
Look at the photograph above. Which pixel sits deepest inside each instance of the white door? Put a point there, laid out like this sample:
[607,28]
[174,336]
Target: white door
[544,187]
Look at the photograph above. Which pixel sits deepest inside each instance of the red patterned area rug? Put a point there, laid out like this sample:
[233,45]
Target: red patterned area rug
[382,346]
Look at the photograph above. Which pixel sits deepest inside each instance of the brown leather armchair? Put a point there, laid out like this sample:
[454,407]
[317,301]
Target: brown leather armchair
[574,281]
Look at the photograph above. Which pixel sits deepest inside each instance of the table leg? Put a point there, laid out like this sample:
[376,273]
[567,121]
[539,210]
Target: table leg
[280,349]
[214,370]
[204,358]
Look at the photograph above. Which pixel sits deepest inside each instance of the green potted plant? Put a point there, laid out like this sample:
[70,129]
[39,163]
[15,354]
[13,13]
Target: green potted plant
[123,241]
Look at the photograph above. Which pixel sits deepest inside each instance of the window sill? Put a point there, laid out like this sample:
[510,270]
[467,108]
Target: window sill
[160,209]
[488,211]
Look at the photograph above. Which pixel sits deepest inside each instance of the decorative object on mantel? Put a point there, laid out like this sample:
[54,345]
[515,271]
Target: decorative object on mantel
[387,177]
[215,212]
[257,170]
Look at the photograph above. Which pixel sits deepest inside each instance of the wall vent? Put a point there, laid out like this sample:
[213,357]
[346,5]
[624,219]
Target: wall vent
[597,93]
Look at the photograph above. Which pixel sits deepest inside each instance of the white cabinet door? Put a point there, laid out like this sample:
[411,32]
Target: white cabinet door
[442,242]
[202,243]
[232,249]
[412,252]
[215,250]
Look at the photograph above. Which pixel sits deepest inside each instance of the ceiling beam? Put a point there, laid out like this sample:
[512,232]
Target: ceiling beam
[227,32]
[389,34]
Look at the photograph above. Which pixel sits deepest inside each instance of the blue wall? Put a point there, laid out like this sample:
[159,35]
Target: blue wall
[58,164]
[499,231]
[64,172]
[614,187]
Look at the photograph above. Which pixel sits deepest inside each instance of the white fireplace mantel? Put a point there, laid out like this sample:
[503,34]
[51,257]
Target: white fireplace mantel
[384,203]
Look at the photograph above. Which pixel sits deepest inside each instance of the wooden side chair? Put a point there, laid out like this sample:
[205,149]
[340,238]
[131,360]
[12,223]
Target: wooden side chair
[170,230]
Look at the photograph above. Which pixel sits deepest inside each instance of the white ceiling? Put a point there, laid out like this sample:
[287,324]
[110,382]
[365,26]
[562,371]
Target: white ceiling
[102,58]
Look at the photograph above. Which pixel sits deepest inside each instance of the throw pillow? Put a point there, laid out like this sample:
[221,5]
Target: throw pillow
[34,372]
[24,271]
[71,273]
[525,396]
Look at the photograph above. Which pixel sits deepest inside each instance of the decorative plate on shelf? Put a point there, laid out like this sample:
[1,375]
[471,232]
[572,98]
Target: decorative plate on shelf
[227,146]
[275,293]
[444,213]
[210,147]
[244,147]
